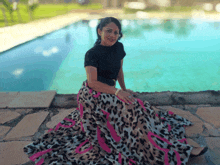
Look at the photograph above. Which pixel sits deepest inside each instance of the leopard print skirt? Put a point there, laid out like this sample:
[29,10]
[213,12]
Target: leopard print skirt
[106,130]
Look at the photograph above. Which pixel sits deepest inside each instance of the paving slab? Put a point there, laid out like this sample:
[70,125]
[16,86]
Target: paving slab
[204,105]
[210,130]
[59,117]
[28,126]
[178,111]
[198,161]
[7,115]
[210,115]
[194,130]
[6,98]
[23,111]
[4,130]
[191,117]
[12,153]
[192,142]
[191,106]
[41,99]
[213,142]
[163,107]
[214,145]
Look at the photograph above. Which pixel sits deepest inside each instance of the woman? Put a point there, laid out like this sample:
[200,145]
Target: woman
[111,126]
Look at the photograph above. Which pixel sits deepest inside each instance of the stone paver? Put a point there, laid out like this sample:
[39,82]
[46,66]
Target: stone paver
[210,114]
[178,111]
[7,115]
[210,130]
[6,98]
[4,130]
[194,130]
[204,105]
[192,142]
[27,126]
[11,153]
[213,142]
[23,111]
[40,99]
[191,117]
[214,145]
[163,107]
[190,106]
[59,117]
[198,161]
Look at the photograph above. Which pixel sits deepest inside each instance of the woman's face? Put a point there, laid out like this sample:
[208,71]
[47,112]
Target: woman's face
[109,34]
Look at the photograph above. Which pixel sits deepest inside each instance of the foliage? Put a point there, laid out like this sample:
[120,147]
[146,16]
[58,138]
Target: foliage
[7,5]
[23,1]
[44,11]
[33,7]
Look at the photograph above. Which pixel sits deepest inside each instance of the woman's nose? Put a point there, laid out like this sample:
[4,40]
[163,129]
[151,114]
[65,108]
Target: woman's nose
[112,35]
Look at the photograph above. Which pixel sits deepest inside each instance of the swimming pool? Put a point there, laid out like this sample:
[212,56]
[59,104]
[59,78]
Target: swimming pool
[162,55]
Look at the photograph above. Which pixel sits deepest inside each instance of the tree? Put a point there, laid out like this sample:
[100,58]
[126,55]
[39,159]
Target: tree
[31,6]
[8,6]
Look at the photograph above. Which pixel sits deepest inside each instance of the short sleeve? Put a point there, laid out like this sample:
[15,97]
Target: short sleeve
[122,51]
[90,59]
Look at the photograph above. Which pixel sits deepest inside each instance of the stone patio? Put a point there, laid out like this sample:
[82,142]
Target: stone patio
[26,99]
[27,116]
[19,126]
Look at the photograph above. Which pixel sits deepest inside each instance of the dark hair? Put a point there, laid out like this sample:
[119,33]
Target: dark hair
[105,21]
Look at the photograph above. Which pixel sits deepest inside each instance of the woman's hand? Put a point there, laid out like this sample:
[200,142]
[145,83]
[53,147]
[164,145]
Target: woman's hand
[126,96]
[131,92]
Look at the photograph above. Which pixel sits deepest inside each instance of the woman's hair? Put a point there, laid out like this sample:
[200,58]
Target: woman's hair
[105,21]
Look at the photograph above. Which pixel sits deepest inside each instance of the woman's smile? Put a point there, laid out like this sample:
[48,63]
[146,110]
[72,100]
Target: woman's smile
[111,40]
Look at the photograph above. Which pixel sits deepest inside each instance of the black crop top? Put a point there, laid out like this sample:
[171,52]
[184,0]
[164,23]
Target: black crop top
[107,60]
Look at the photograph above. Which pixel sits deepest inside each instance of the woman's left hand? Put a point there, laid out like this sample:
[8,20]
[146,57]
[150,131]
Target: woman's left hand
[131,92]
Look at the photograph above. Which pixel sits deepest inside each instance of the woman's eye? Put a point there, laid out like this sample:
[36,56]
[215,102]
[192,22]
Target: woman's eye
[109,31]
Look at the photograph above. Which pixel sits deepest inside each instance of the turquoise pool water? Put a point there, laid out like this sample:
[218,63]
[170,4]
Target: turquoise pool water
[162,55]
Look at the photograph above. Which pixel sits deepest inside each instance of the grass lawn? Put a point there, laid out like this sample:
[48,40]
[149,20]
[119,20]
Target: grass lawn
[173,9]
[42,11]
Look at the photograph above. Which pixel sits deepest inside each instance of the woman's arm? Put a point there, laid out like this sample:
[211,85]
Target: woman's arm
[120,77]
[91,72]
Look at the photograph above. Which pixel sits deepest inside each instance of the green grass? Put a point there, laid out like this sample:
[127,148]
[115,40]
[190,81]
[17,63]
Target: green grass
[181,8]
[174,9]
[42,11]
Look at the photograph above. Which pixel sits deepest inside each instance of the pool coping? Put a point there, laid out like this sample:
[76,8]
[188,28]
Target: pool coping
[50,99]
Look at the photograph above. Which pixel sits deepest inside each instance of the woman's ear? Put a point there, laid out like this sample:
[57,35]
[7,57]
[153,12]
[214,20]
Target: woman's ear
[99,31]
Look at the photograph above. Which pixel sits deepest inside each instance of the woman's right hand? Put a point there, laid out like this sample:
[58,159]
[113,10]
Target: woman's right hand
[126,96]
